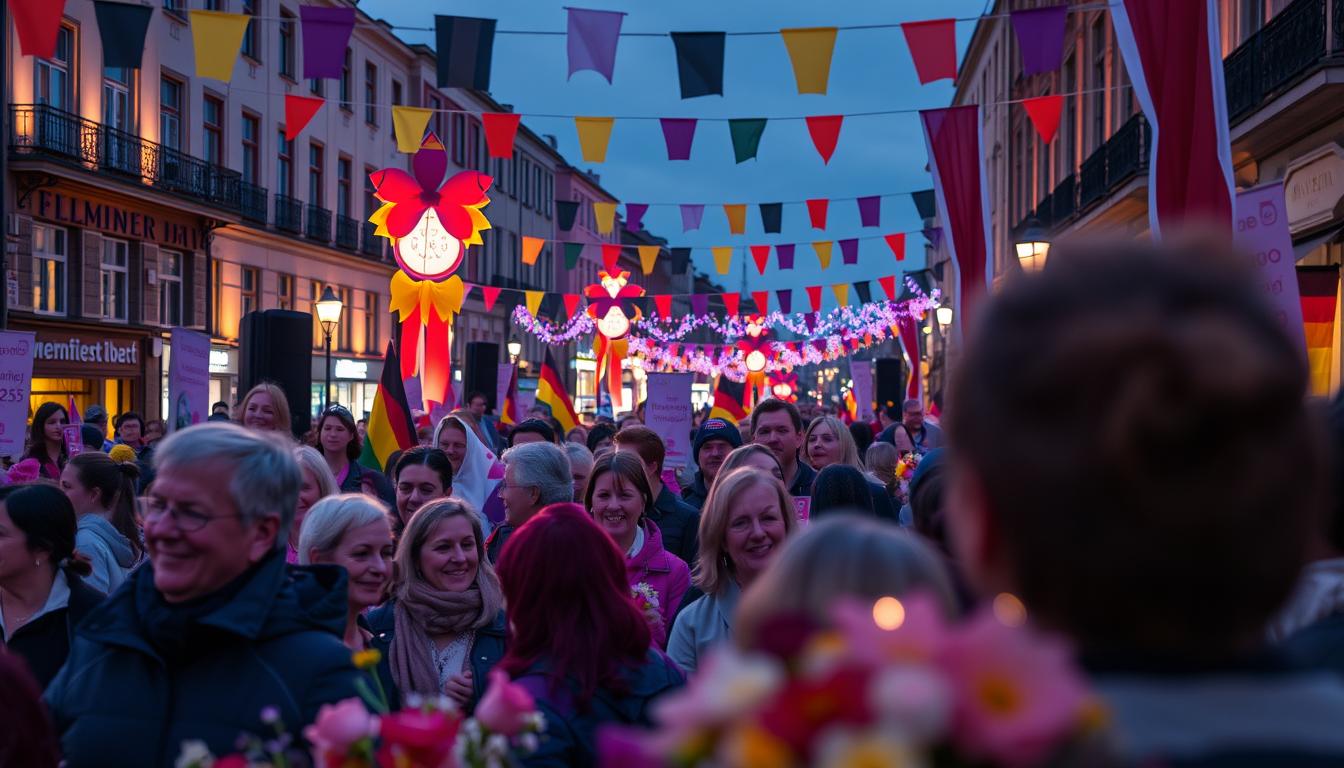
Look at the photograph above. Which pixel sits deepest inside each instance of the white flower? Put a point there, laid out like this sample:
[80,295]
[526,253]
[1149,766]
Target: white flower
[194,754]
[497,744]
[728,684]
[528,743]
[913,702]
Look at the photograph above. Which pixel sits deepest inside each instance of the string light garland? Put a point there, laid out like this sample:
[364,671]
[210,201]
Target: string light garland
[807,325]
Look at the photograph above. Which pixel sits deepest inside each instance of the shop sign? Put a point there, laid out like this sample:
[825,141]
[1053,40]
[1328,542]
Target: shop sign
[77,350]
[63,207]
[219,361]
[1314,187]
[352,369]
[16,381]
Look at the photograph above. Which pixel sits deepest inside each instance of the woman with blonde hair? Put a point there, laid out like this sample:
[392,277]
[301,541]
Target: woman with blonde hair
[265,409]
[351,531]
[753,456]
[746,519]
[318,483]
[826,443]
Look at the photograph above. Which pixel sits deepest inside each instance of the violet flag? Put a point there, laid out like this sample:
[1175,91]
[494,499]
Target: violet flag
[870,211]
[678,133]
[849,251]
[326,35]
[634,216]
[784,255]
[784,297]
[691,216]
[591,40]
[1040,37]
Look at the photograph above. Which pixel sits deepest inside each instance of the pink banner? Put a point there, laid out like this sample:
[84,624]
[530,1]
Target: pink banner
[1262,233]
[953,139]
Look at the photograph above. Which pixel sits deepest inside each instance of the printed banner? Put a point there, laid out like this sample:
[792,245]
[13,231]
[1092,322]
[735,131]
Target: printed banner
[1262,233]
[862,373]
[502,381]
[667,411]
[188,379]
[16,383]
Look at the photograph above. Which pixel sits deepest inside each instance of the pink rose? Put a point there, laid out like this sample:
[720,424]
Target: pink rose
[338,726]
[25,471]
[231,761]
[505,705]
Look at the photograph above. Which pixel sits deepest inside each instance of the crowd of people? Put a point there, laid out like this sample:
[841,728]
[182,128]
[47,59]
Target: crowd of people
[1128,451]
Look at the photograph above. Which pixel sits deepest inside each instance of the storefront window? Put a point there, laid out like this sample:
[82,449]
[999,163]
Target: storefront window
[112,293]
[170,288]
[51,78]
[49,260]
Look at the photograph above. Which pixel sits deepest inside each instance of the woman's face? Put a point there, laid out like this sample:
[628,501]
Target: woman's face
[333,437]
[416,485]
[755,531]
[453,441]
[309,494]
[617,508]
[51,428]
[15,557]
[366,555]
[823,447]
[260,412]
[84,499]
[153,432]
[759,461]
[448,558]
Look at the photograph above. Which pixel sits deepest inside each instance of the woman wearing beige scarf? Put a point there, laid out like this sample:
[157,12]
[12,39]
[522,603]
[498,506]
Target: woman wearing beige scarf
[444,627]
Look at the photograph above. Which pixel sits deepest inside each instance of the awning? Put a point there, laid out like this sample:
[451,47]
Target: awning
[1334,234]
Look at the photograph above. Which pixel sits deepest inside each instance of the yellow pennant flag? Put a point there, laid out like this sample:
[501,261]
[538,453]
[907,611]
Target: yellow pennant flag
[648,256]
[531,249]
[533,299]
[723,256]
[217,37]
[841,291]
[594,134]
[409,124]
[737,217]
[823,249]
[605,214]
[810,51]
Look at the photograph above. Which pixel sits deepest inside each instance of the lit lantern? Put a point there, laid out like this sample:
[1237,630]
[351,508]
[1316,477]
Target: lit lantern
[430,223]
[755,349]
[610,303]
[784,386]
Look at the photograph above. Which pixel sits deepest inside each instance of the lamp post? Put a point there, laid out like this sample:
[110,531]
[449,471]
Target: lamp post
[944,315]
[328,314]
[1033,248]
[515,348]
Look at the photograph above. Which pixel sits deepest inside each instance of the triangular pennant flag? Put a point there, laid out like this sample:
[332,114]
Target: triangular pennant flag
[825,132]
[691,216]
[870,211]
[1040,37]
[466,291]
[933,46]
[489,295]
[533,299]
[888,284]
[761,254]
[723,257]
[678,134]
[299,110]
[841,291]
[572,253]
[681,260]
[699,304]
[571,303]
[814,297]
[409,124]
[594,135]
[122,28]
[784,297]
[591,40]
[565,213]
[737,217]
[823,249]
[648,257]
[816,211]
[663,303]
[500,130]
[762,301]
[926,205]
[896,242]
[864,290]
[531,249]
[772,215]
[849,251]
[465,47]
[810,52]
[611,256]
[934,235]
[326,36]
[1044,113]
[38,22]
[217,38]
[746,135]
[699,63]
[784,255]
[605,216]
[634,216]
[730,303]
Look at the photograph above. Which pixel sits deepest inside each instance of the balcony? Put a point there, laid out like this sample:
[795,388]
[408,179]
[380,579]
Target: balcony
[1121,158]
[370,244]
[1062,205]
[1092,178]
[254,203]
[44,131]
[347,233]
[319,224]
[288,214]
[1294,42]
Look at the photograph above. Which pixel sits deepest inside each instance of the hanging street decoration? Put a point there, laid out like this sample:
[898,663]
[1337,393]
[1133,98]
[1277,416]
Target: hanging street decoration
[611,308]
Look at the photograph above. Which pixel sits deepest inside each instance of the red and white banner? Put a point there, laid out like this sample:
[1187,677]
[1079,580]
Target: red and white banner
[907,328]
[953,139]
[1172,53]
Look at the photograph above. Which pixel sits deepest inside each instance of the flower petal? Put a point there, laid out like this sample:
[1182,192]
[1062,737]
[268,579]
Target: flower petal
[395,185]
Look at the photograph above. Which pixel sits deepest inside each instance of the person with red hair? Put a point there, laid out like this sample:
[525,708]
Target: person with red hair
[577,641]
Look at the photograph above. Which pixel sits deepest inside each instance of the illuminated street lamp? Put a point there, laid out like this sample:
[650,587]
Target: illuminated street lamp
[944,315]
[1033,248]
[329,316]
[515,349]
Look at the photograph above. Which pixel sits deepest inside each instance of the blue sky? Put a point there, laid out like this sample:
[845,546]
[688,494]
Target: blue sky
[871,70]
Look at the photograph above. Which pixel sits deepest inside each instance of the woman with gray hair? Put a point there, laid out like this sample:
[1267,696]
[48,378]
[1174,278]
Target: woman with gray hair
[318,483]
[351,530]
[444,628]
[580,466]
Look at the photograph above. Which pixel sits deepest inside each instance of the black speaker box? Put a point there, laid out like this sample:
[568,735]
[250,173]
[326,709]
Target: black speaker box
[482,371]
[277,346]
[891,374]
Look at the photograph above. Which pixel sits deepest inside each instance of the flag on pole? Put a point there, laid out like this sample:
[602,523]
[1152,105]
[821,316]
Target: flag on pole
[551,391]
[729,400]
[390,428]
[508,410]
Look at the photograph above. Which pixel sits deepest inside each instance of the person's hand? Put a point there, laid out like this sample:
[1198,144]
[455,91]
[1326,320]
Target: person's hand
[459,689]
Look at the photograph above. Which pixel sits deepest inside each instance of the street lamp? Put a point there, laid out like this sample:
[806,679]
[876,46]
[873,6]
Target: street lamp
[1033,248]
[328,314]
[944,315]
[515,349]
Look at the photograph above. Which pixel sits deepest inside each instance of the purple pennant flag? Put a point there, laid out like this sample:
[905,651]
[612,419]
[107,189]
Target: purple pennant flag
[935,236]
[870,212]
[849,251]
[810,320]
[1040,37]
[785,298]
[678,132]
[784,255]
[326,35]
[591,41]
[634,216]
[691,215]
[699,304]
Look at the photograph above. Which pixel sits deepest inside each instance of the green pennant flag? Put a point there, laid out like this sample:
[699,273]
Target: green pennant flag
[572,253]
[746,136]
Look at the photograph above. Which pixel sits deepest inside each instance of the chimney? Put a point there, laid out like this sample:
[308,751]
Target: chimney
[550,139]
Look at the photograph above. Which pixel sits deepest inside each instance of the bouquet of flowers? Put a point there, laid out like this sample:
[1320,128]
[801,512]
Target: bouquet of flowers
[647,601]
[890,685]
[905,468]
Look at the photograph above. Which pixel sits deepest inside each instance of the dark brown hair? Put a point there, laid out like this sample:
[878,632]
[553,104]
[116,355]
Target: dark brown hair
[627,469]
[646,443]
[115,482]
[47,518]
[774,405]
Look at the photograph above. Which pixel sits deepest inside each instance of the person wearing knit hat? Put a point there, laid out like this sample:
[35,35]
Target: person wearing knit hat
[714,440]
[122,452]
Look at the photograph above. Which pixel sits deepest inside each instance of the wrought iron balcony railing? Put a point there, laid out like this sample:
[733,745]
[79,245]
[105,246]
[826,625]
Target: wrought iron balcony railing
[347,233]
[319,224]
[254,202]
[288,214]
[1296,39]
[371,244]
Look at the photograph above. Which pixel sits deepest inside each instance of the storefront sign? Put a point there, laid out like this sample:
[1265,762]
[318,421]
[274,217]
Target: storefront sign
[1314,187]
[62,206]
[352,369]
[77,350]
[1262,233]
[219,361]
[667,411]
[16,383]
[188,379]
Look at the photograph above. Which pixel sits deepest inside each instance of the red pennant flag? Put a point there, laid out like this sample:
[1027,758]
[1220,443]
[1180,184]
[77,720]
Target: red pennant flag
[888,284]
[611,253]
[825,131]
[814,296]
[299,110]
[896,242]
[571,303]
[500,129]
[730,303]
[933,46]
[762,299]
[816,210]
[37,22]
[489,294]
[663,303]
[1044,113]
[673,349]
[761,253]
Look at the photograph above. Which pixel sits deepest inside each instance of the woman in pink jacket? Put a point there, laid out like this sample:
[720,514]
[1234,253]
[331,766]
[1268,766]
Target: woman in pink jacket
[618,497]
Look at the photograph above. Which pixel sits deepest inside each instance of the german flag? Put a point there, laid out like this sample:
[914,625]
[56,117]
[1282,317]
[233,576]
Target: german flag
[390,428]
[508,410]
[551,391]
[729,397]
[1319,288]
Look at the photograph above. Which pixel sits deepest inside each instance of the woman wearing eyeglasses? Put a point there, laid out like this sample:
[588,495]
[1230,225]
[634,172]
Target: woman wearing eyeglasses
[338,440]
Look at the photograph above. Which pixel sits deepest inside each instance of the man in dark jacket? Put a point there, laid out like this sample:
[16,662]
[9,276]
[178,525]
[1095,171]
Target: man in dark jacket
[678,521]
[215,628]
[714,440]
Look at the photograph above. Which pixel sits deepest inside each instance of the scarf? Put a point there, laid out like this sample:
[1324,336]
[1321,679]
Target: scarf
[421,612]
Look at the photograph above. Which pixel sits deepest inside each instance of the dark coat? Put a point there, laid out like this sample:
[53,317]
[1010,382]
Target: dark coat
[494,543]
[486,651]
[358,476]
[45,642]
[802,481]
[695,493]
[679,523]
[1319,645]
[144,676]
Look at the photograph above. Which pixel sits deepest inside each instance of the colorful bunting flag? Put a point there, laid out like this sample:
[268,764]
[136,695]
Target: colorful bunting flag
[409,124]
[816,211]
[925,204]
[326,36]
[591,40]
[1319,288]
[723,257]
[489,295]
[1040,37]
[772,215]
[594,135]
[648,257]
[825,133]
[604,214]
[691,216]
[849,251]
[956,161]
[870,211]
[465,49]
[762,301]
[571,303]
[678,134]
[699,63]
[634,216]
[933,46]
[841,291]
[810,52]
[299,111]
[501,128]
[217,37]
[888,284]
[663,303]
[784,297]
[533,301]
[864,290]
[784,255]
[761,255]
[699,304]
[611,256]
[122,28]
[823,249]
[737,217]
[731,301]
[572,253]
[681,260]
[934,235]
[38,22]
[896,242]
[814,297]
[746,135]
[532,249]
[566,211]
[1044,112]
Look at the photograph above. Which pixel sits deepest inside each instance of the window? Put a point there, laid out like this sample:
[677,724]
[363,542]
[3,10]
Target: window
[170,113]
[112,287]
[287,46]
[370,93]
[371,203]
[474,153]
[212,119]
[214,5]
[315,293]
[371,341]
[50,251]
[343,328]
[251,290]
[251,47]
[513,169]
[176,7]
[315,86]
[284,291]
[216,293]
[459,121]
[1070,122]
[433,102]
[316,188]
[170,288]
[51,77]
[251,152]
[526,186]
[117,102]
[396,100]
[284,166]
[345,81]
[1098,83]
[343,172]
